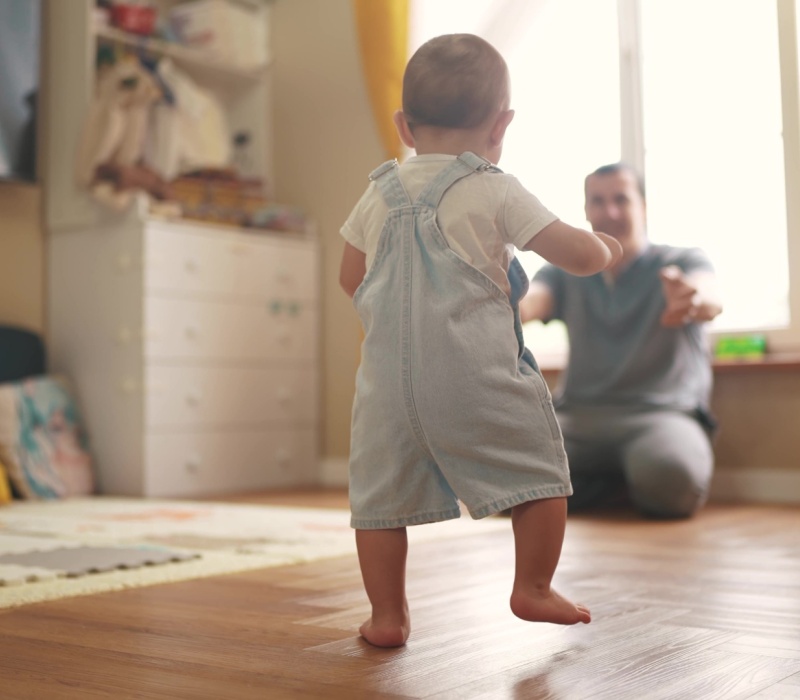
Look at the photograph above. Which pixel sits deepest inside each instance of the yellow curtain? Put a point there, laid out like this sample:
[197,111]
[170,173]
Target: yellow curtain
[5,488]
[382,27]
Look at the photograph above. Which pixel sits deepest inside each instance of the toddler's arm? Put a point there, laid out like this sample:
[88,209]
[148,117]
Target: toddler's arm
[352,270]
[577,251]
[613,245]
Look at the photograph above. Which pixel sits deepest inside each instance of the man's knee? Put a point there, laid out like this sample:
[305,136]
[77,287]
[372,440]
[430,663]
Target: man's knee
[666,487]
[668,467]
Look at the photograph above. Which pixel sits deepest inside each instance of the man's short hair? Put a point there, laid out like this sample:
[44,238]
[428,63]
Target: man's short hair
[454,81]
[620,167]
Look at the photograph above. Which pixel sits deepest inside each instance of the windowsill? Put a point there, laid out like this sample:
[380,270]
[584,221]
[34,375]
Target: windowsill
[776,362]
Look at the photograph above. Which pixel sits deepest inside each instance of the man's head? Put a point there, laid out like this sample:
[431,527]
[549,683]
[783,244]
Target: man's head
[615,203]
[455,81]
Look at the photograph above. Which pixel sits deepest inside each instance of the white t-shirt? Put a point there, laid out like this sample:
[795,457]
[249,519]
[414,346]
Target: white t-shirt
[483,217]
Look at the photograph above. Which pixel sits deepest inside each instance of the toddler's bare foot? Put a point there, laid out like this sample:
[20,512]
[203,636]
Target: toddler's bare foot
[385,635]
[548,606]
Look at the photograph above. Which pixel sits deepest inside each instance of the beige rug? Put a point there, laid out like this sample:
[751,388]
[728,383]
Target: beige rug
[58,549]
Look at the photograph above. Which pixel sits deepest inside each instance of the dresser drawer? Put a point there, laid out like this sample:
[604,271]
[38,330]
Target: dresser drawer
[214,330]
[208,463]
[183,260]
[181,397]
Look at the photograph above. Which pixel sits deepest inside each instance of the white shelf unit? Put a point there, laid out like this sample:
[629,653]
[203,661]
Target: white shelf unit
[193,347]
[191,59]
[194,351]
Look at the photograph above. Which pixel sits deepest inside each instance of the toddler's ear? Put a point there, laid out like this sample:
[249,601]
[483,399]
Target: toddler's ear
[501,123]
[403,129]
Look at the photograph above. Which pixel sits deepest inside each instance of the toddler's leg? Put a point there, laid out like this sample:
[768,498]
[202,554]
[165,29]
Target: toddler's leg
[538,535]
[382,556]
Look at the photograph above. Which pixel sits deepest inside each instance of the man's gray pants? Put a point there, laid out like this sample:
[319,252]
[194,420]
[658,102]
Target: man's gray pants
[662,457]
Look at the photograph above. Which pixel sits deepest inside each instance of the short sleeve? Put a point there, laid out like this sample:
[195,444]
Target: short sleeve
[523,214]
[353,230]
[554,278]
[693,260]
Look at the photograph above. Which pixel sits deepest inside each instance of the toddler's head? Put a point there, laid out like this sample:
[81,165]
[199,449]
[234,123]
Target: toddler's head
[454,81]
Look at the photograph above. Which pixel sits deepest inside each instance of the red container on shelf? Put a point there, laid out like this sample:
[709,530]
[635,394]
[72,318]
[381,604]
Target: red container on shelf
[137,19]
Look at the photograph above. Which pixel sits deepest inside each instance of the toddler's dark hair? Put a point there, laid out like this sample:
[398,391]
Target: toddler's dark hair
[454,81]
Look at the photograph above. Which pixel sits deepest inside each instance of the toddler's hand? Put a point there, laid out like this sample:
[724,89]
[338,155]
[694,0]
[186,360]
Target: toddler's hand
[613,246]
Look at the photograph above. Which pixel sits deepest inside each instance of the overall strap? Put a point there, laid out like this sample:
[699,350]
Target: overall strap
[466,164]
[388,181]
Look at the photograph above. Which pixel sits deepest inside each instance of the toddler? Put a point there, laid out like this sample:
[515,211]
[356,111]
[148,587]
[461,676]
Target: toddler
[449,404]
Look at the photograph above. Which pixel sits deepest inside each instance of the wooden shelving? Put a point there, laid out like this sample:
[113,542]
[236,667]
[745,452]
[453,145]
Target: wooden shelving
[240,85]
[187,57]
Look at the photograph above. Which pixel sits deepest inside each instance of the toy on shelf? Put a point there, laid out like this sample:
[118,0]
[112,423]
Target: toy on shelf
[745,347]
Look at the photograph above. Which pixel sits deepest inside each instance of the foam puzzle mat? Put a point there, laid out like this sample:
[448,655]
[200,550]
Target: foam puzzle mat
[80,561]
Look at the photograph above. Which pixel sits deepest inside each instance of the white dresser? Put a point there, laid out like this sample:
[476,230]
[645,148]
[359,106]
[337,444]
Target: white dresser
[194,352]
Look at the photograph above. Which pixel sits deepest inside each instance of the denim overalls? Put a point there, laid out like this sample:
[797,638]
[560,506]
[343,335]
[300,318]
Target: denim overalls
[449,405]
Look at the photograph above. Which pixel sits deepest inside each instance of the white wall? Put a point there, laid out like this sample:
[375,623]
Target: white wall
[21,256]
[326,145]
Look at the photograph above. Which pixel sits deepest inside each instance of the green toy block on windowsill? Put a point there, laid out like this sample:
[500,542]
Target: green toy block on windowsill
[743,347]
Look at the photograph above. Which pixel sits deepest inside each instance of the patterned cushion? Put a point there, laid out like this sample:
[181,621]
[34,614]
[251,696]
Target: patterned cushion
[42,442]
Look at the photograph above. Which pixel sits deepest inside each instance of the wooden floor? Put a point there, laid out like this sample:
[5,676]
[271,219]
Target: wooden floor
[708,608]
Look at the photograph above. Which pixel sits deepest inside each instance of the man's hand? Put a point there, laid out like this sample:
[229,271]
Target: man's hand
[537,304]
[682,297]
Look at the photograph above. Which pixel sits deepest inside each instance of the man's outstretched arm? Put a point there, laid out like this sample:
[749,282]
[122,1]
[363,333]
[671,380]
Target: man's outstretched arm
[537,304]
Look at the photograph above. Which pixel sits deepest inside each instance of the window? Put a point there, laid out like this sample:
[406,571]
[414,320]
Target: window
[700,94]
[713,155]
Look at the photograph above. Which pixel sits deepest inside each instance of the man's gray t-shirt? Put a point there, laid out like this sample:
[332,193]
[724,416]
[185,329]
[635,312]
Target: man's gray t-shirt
[620,354]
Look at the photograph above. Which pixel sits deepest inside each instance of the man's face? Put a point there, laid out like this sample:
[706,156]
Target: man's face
[615,206]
